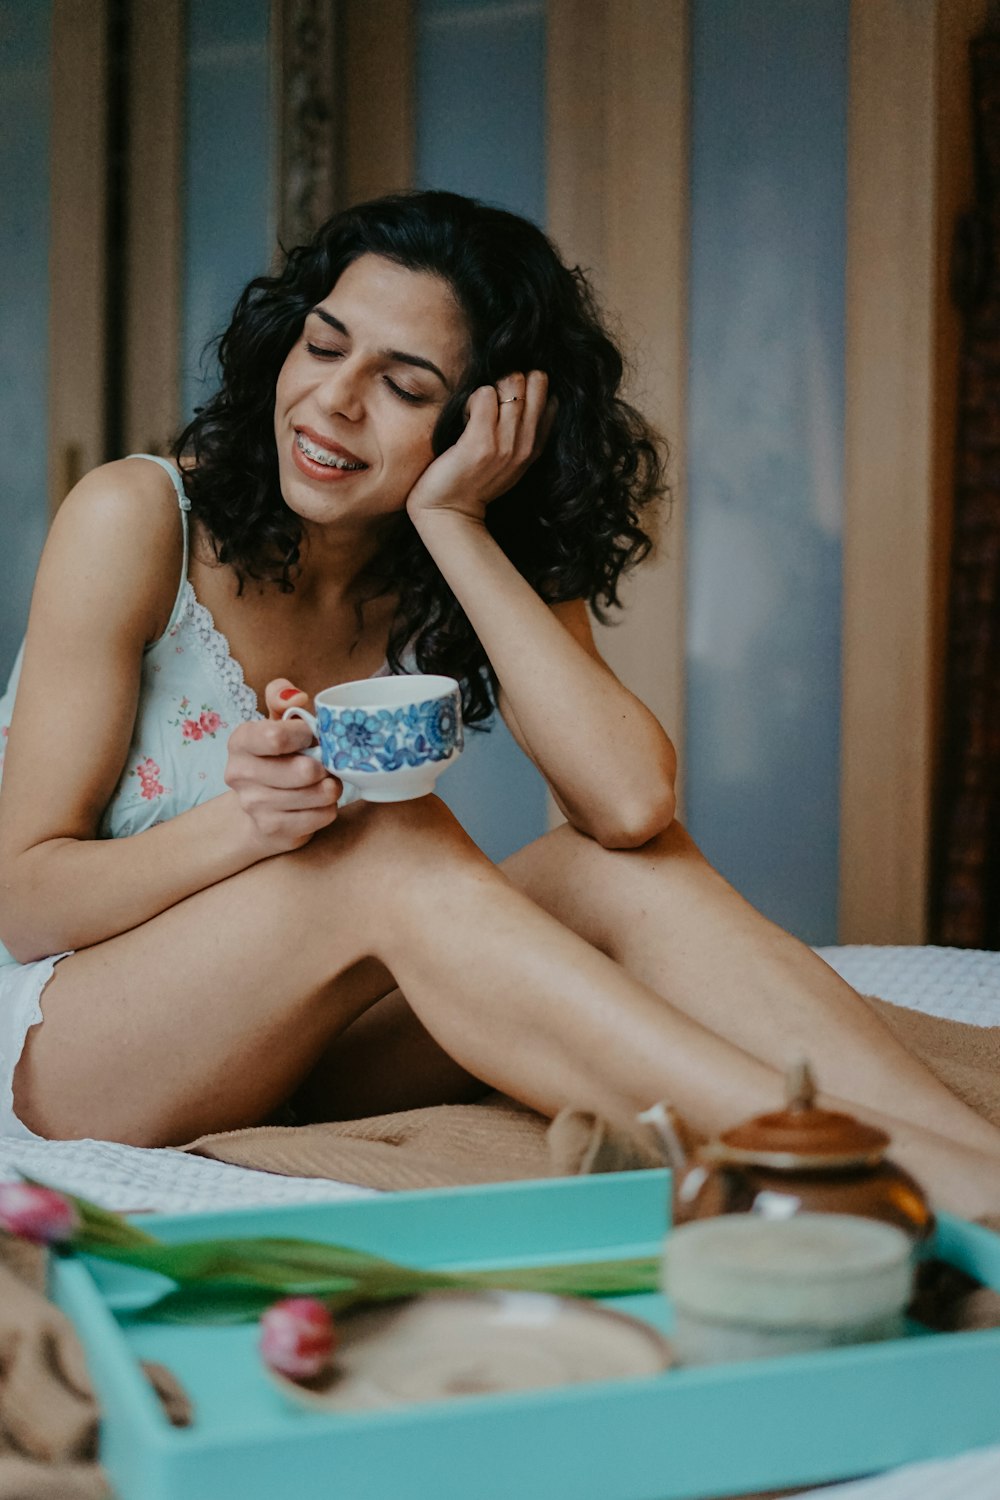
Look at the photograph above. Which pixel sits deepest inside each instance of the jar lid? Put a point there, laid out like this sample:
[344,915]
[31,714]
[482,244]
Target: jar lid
[824,1270]
[801,1135]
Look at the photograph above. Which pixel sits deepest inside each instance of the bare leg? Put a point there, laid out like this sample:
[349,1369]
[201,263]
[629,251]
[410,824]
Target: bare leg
[553,1023]
[385,1060]
[279,960]
[211,1014]
[676,925]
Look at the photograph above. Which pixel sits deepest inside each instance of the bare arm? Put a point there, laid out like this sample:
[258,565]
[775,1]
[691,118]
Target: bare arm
[652,816]
[609,764]
[105,585]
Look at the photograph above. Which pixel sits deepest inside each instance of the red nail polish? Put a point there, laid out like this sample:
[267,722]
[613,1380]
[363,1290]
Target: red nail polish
[288,693]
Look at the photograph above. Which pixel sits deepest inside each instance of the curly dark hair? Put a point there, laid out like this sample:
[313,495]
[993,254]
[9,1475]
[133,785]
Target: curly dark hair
[571,525]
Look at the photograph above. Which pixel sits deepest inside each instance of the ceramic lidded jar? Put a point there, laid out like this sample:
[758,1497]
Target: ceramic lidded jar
[802,1159]
[747,1287]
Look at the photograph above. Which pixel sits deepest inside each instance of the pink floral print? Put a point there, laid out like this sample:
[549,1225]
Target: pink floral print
[148,773]
[193,728]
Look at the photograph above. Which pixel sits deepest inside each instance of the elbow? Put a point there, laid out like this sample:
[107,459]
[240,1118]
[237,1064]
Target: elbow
[8,926]
[13,937]
[635,825]
[17,927]
[20,951]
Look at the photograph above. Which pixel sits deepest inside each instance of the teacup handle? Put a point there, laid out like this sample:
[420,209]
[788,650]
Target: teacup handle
[350,792]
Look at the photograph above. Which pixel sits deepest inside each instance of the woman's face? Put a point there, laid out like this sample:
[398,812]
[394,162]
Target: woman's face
[359,395]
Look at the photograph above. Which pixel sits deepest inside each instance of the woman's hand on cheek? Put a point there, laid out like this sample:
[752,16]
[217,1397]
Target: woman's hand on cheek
[286,795]
[506,429]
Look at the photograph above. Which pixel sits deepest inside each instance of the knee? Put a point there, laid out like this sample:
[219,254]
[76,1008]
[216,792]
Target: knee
[421,835]
[672,842]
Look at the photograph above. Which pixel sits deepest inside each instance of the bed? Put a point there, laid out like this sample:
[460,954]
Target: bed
[958,983]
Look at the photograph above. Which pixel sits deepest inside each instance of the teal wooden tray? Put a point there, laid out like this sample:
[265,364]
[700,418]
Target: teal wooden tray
[687,1433]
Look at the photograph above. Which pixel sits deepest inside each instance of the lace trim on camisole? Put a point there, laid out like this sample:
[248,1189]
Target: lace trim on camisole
[215,649]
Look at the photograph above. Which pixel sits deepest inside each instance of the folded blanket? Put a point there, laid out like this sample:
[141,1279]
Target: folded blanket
[48,1412]
[965,1058]
[48,1415]
[446,1145]
[499,1141]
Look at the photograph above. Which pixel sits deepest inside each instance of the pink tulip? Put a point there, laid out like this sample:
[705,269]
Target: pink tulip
[37,1213]
[297,1337]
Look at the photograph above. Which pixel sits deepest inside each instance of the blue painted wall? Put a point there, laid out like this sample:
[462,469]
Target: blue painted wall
[228,232]
[481,100]
[25,94]
[766,403]
[481,130]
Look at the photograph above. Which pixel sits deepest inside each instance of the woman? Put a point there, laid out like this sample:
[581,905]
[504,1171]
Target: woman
[418,452]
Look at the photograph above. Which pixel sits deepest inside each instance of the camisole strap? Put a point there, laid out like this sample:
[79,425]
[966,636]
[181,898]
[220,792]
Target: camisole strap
[185,505]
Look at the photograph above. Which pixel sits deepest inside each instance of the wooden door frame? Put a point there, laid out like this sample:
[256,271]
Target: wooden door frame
[908,175]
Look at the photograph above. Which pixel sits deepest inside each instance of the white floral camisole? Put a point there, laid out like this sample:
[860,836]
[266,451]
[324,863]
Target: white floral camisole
[192,694]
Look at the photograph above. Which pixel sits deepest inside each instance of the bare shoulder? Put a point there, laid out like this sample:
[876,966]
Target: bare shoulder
[130,497]
[119,531]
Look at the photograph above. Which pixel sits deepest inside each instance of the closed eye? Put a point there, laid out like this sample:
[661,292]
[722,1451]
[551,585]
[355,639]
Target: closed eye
[403,395]
[321,351]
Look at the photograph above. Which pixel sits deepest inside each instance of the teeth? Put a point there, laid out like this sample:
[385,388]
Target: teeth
[321,456]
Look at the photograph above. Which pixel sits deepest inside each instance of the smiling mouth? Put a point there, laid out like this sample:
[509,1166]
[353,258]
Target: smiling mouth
[321,455]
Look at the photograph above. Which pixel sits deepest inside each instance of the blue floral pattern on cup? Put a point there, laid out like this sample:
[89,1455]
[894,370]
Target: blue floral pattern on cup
[387,739]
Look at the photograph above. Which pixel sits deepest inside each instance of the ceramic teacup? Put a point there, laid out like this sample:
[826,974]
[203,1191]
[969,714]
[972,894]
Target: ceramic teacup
[387,738]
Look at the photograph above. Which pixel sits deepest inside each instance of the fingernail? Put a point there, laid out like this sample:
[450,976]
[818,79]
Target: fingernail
[289,693]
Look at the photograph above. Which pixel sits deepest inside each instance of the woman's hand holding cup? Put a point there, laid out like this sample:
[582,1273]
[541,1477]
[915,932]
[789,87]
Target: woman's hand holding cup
[288,796]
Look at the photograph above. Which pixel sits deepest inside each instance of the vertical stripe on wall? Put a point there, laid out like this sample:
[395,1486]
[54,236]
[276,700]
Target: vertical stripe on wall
[766,414]
[481,100]
[480,111]
[24,310]
[227,174]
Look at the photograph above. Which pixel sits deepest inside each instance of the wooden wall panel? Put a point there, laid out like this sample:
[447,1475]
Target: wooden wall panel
[904,133]
[380,57]
[618,196]
[154,227]
[78,246]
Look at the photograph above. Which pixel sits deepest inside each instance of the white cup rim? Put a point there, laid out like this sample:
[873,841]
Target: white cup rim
[404,687]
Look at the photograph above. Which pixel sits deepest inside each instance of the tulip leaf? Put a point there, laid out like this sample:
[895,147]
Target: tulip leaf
[202,1303]
[234,1280]
[602,1278]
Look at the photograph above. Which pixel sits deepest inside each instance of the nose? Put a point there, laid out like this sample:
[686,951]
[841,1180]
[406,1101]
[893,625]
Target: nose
[341,392]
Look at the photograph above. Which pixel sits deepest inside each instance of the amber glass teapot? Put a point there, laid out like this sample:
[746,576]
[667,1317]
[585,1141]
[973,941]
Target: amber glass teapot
[801,1158]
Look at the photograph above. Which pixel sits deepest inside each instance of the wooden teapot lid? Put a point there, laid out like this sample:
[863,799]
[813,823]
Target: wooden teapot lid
[801,1135]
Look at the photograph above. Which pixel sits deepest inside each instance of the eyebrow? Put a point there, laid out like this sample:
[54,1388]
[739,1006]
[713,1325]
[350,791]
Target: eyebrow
[394,354]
